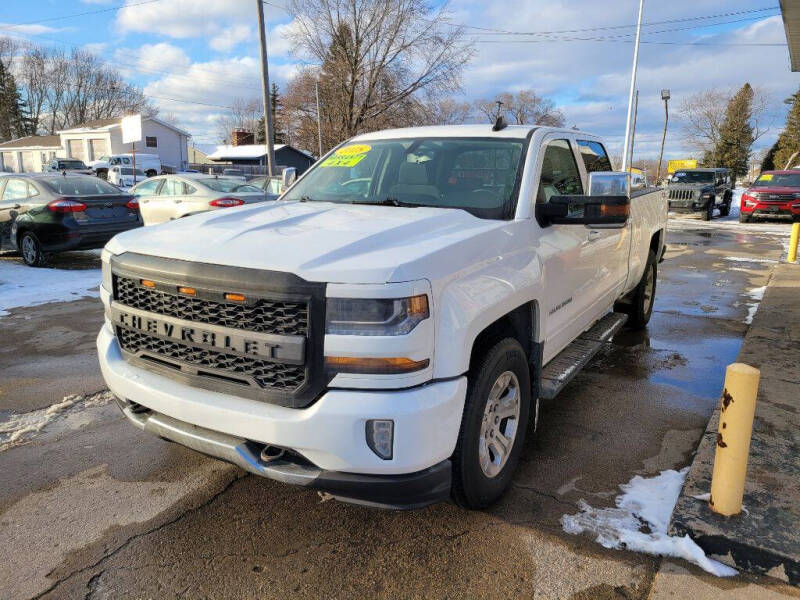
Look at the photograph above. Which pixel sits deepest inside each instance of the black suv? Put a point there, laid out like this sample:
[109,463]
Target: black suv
[43,214]
[701,190]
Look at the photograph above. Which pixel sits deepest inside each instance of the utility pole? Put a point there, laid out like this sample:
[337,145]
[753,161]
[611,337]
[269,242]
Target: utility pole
[319,117]
[265,91]
[629,121]
[665,98]
[633,128]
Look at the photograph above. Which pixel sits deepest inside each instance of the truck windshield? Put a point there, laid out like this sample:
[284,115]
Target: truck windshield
[693,177]
[778,180]
[478,175]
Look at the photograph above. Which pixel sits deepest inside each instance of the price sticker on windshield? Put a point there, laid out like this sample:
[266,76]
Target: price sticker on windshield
[766,177]
[349,156]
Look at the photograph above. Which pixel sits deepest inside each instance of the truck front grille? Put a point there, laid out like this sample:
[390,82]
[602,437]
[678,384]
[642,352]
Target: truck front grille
[681,194]
[264,316]
[268,348]
[209,363]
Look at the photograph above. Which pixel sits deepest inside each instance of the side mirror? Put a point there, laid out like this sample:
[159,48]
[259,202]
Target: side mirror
[584,210]
[287,177]
[608,183]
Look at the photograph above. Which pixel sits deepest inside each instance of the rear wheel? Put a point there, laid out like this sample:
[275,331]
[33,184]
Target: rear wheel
[493,426]
[709,214]
[31,250]
[643,298]
[725,209]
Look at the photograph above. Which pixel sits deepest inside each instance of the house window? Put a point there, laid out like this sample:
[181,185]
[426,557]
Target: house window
[151,141]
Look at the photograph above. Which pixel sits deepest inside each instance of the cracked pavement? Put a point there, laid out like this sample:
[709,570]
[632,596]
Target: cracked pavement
[95,508]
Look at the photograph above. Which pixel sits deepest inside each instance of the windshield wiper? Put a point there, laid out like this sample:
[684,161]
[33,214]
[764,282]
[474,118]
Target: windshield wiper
[388,201]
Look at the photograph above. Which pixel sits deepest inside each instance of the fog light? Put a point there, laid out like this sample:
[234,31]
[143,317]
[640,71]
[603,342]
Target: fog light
[380,437]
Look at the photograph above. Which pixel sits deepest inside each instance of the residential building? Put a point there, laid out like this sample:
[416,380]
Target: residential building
[91,140]
[256,155]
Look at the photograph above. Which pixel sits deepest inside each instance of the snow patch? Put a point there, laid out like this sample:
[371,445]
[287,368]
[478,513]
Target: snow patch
[751,259]
[755,294]
[21,285]
[640,521]
[21,428]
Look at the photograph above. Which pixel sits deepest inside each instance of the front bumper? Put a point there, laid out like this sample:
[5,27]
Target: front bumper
[406,491]
[763,209]
[330,433]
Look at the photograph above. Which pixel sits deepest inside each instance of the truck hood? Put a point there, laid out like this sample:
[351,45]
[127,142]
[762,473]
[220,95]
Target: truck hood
[322,241]
[782,190]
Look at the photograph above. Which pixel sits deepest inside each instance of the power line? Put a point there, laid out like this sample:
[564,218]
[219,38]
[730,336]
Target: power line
[80,14]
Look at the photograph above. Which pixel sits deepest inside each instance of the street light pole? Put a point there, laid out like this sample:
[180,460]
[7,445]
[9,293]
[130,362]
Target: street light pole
[265,91]
[665,98]
[319,117]
[629,120]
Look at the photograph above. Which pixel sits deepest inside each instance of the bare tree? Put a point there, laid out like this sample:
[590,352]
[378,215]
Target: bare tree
[243,114]
[702,115]
[377,56]
[445,111]
[526,107]
[33,80]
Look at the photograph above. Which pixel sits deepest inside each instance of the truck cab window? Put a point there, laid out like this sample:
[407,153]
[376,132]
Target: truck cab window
[560,175]
[595,157]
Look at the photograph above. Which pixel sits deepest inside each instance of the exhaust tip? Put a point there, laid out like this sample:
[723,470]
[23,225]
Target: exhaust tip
[271,453]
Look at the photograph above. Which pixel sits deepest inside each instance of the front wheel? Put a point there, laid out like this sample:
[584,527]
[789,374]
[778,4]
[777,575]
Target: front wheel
[493,425]
[744,217]
[31,250]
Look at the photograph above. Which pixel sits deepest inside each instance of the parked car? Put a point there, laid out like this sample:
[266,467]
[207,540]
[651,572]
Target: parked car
[386,343]
[42,214]
[170,197]
[278,184]
[123,176]
[149,163]
[70,165]
[773,194]
[701,190]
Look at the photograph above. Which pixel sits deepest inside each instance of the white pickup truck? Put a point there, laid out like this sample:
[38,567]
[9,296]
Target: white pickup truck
[384,332]
[149,163]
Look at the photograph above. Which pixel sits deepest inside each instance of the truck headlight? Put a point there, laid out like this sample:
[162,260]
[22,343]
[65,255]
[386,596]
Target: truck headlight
[105,261]
[372,316]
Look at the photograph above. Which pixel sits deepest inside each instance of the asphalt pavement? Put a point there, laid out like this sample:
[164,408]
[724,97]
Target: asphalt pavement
[92,507]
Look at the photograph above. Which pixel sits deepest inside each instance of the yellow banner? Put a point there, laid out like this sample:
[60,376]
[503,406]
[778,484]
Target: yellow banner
[677,165]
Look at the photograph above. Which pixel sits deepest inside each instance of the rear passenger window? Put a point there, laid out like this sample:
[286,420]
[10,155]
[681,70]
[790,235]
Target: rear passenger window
[560,174]
[594,156]
[171,187]
[16,189]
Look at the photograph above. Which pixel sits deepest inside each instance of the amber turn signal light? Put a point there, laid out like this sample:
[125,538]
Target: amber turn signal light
[615,210]
[189,291]
[375,366]
[147,283]
[235,297]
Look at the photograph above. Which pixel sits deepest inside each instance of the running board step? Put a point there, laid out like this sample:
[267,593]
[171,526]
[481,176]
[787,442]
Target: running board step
[560,371]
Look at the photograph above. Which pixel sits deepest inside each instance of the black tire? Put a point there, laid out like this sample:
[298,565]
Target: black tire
[725,209]
[103,175]
[643,298]
[472,487]
[709,213]
[31,250]
[151,173]
[744,218]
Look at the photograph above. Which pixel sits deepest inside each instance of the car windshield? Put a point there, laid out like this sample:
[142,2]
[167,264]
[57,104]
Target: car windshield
[478,175]
[71,164]
[778,180]
[693,177]
[229,185]
[80,186]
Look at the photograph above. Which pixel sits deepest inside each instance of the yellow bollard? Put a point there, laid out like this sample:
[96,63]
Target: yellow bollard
[733,438]
[793,242]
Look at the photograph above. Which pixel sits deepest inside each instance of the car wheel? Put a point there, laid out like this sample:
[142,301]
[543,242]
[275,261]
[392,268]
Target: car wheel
[493,425]
[151,173]
[744,218]
[725,209]
[709,214]
[644,296]
[31,250]
[103,175]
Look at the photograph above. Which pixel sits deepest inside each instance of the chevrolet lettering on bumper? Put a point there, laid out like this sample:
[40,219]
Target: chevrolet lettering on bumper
[288,349]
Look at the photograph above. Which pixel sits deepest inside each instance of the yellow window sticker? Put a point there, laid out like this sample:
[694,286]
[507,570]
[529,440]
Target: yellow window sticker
[343,161]
[353,150]
[766,177]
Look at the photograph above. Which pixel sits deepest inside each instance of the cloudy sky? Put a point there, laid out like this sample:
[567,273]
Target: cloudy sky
[194,57]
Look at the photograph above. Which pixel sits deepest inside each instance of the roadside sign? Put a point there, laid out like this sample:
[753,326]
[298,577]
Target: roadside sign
[677,165]
[132,129]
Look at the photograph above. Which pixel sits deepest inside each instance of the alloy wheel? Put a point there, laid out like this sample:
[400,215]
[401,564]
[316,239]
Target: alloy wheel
[500,424]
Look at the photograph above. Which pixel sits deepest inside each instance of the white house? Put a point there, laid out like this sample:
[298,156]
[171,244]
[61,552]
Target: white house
[93,139]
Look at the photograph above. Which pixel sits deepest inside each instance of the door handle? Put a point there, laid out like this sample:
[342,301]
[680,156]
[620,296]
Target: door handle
[594,235]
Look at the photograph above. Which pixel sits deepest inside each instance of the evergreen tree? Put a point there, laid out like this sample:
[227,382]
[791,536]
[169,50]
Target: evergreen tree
[736,133]
[789,140]
[768,162]
[14,120]
[276,106]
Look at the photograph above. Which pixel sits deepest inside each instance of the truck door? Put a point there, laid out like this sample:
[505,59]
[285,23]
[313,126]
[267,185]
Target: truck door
[568,267]
[610,244]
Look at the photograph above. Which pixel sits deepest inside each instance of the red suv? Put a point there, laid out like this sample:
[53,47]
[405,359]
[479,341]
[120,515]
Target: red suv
[774,193]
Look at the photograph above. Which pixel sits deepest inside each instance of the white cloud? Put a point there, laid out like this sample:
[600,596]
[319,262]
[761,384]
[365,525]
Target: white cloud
[97,48]
[231,37]
[31,29]
[152,59]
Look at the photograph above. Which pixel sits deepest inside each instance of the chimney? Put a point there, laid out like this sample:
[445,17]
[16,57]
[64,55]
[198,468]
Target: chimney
[242,137]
